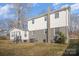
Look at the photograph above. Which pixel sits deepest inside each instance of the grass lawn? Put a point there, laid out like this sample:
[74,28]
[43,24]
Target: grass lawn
[8,48]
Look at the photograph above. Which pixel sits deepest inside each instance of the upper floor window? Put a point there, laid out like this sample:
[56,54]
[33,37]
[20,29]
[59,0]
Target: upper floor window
[57,15]
[46,18]
[32,21]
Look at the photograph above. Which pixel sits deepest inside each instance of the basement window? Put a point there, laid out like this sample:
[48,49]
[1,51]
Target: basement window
[25,40]
[44,40]
[56,15]
[45,31]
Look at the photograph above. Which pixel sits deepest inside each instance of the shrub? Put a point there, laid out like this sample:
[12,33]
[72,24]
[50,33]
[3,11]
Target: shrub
[3,38]
[61,38]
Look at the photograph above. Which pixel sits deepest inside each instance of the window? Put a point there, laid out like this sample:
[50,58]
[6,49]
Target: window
[32,21]
[25,34]
[12,34]
[57,30]
[44,40]
[32,33]
[25,40]
[46,18]
[18,33]
[57,15]
[32,40]
[19,37]
[45,31]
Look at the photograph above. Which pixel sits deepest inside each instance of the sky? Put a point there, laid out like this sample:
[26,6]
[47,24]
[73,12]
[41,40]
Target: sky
[7,10]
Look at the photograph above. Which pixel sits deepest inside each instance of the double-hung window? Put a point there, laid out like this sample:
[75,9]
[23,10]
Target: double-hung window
[56,15]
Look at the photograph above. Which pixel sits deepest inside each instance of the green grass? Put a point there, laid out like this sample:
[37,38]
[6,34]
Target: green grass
[8,48]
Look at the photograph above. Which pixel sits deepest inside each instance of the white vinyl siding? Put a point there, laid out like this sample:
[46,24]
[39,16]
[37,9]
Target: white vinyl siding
[20,33]
[62,21]
[58,19]
[39,23]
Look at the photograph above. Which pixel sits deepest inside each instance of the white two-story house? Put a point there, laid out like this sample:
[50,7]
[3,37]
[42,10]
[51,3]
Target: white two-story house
[38,26]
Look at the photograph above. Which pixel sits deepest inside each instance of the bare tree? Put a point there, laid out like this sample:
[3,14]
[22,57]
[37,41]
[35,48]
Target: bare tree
[22,11]
[10,24]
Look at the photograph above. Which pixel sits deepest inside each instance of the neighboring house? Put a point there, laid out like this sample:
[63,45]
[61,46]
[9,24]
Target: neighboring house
[58,21]
[18,34]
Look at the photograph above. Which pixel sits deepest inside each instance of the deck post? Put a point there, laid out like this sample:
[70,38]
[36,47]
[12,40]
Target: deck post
[67,28]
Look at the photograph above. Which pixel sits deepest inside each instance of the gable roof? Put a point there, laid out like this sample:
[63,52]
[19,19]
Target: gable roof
[16,28]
